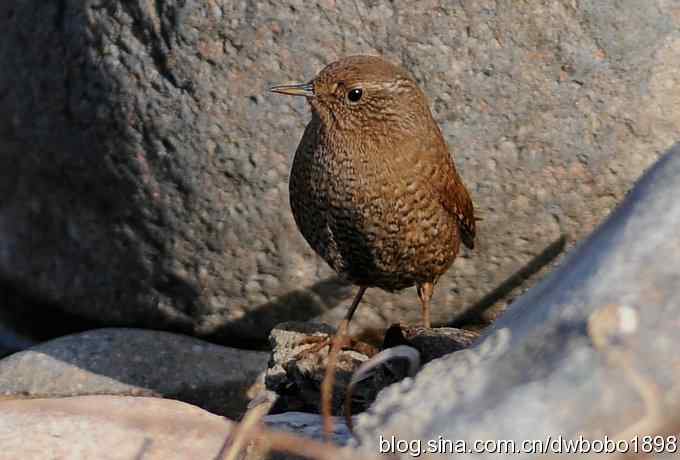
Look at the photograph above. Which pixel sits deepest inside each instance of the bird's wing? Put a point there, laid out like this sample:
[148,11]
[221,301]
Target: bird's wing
[450,188]
[447,186]
[456,200]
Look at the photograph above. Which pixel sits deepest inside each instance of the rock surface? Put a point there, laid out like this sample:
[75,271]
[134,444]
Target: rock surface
[295,374]
[591,350]
[309,426]
[143,164]
[430,343]
[138,363]
[293,378]
[108,427]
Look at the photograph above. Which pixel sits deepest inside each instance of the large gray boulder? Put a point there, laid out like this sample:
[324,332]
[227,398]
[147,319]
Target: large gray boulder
[590,351]
[143,165]
[134,362]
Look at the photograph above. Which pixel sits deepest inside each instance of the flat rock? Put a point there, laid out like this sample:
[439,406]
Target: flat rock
[109,427]
[591,350]
[431,343]
[143,164]
[135,362]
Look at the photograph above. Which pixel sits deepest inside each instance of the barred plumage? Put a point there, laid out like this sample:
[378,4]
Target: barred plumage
[373,188]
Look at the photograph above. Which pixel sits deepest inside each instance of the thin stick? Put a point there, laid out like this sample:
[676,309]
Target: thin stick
[329,375]
[242,432]
[329,380]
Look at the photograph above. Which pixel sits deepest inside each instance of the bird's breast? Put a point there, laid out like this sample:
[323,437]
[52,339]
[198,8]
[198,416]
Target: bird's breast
[369,223]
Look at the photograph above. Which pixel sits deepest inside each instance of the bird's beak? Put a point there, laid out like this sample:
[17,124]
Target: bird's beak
[297,89]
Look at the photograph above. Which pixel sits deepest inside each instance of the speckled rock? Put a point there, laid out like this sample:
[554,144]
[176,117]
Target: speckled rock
[294,374]
[137,363]
[143,165]
[109,427]
[591,350]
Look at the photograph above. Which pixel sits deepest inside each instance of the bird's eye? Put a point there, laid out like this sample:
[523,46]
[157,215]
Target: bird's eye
[355,94]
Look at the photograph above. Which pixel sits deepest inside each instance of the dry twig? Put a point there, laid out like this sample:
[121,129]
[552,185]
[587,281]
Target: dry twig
[329,379]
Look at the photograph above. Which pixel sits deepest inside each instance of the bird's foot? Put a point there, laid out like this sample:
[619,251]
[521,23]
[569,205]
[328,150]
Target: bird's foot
[319,342]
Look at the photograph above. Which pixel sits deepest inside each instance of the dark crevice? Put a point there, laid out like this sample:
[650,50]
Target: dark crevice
[165,35]
[144,33]
[59,25]
[161,46]
[68,113]
[60,16]
[23,315]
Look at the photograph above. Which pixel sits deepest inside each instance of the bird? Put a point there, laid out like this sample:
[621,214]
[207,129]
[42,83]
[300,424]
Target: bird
[373,188]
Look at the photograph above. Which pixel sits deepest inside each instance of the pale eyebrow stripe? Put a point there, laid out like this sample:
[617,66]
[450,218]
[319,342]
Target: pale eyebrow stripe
[398,85]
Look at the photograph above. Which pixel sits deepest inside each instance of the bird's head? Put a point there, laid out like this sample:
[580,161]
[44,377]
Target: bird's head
[364,95]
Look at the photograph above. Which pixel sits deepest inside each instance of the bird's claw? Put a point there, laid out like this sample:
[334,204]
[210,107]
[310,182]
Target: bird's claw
[319,342]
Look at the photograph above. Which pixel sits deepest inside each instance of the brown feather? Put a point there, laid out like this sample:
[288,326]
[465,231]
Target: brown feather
[373,188]
[456,200]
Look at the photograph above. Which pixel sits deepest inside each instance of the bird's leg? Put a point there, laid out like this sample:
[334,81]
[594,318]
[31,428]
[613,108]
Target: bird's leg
[320,341]
[329,376]
[425,294]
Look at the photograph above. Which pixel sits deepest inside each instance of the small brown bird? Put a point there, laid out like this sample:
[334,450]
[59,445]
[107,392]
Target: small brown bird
[373,188]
